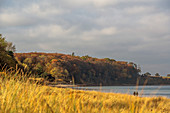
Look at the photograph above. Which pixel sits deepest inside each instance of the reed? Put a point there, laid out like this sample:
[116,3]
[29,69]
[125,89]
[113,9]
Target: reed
[18,95]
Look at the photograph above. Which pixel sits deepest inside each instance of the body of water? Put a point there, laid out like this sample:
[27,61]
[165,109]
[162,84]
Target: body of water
[143,91]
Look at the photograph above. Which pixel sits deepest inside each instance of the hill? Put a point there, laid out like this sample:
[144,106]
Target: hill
[69,69]
[80,70]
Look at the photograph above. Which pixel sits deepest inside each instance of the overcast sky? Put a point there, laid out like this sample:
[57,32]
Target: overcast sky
[130,30]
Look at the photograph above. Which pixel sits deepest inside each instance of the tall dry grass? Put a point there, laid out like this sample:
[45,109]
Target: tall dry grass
[18,95]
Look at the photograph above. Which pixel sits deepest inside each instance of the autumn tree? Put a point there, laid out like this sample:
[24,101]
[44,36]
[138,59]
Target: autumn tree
[84,70]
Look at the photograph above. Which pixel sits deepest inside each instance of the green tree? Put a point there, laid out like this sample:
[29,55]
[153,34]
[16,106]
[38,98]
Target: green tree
[6,57]
[39,68]
[6,46]
[157,74]
[73,54]
[3,43]
[85,57]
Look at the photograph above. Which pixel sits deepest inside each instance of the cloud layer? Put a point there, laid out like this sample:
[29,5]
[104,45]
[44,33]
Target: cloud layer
[132,30]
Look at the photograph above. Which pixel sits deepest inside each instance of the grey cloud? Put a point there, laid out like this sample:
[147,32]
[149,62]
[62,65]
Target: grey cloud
[131,30]
[164,4]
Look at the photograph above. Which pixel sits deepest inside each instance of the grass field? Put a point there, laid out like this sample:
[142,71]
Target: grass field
[17,95]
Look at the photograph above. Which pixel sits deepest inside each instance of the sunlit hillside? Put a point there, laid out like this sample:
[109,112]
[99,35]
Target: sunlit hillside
[85,69]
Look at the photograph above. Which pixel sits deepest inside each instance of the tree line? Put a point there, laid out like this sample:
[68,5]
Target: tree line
[83,69]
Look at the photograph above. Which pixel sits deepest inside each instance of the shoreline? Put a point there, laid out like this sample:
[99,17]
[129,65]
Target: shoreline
[112,90]
[86,85]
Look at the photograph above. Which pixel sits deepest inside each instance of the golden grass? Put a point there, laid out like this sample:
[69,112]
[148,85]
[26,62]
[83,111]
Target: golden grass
[166,77]
[20,96]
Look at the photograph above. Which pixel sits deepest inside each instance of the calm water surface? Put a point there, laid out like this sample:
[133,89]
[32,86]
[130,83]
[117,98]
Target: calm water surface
[142,90]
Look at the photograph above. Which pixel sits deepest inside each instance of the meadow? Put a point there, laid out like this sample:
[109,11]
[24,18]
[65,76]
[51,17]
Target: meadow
[19,95]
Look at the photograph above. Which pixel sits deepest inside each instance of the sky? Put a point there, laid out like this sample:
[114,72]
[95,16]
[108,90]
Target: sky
[125,30]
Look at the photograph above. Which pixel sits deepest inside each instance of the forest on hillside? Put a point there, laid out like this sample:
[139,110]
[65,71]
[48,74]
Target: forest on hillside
[81,70]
